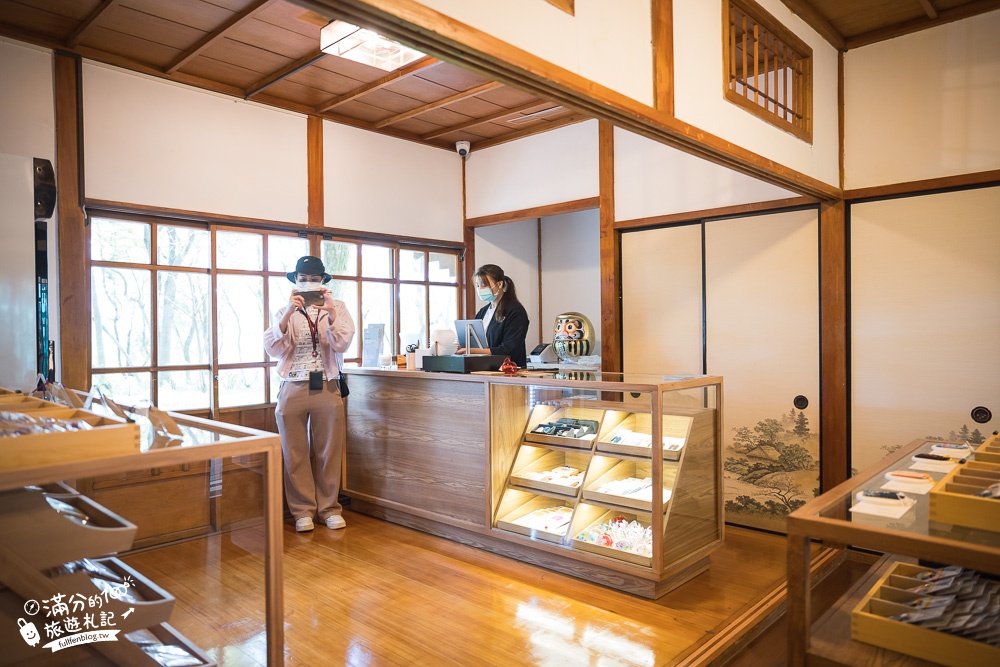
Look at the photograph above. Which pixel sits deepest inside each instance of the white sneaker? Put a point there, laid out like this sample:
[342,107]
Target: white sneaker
[335,522]
[303,525]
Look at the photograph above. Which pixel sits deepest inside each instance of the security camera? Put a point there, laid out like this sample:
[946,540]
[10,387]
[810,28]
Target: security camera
[463,148]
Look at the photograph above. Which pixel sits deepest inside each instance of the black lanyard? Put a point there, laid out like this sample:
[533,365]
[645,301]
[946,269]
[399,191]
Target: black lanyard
[313,330]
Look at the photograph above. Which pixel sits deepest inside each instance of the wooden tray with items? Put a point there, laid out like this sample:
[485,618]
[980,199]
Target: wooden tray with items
[891,597]
[553,470]
[595,522]
[989,451]
[62,435]
[608,482]
[633,436]
[535,516]
[956,498]
[565,427]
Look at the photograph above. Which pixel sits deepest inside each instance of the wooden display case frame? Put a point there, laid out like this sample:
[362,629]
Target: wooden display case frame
[826,518]
[443,463]
[22,577]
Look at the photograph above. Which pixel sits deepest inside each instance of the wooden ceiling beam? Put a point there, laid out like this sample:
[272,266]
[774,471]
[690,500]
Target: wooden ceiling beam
[382,82]
[218,33]
[817,22]
[528,131]
[90,21]
[437,104]
[284,72]
[929,9]
[916,25]
[492,118]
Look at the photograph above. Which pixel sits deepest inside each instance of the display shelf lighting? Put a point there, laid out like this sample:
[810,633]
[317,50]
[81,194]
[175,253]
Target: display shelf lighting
[346,40]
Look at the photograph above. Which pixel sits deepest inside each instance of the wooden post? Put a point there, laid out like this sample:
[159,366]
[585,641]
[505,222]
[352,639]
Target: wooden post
[833,390]
[610,252]
[74,246]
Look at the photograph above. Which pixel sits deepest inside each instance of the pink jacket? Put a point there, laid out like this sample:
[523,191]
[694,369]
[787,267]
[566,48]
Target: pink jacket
[333,340]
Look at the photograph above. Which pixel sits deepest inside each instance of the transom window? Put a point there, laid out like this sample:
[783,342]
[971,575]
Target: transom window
[769,69]
[179,309]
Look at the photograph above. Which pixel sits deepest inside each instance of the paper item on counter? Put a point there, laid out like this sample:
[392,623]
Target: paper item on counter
[918,488]
[954,452]
[930,465]
[880,509]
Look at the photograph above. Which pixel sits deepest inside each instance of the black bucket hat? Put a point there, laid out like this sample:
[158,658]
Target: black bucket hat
[311,266]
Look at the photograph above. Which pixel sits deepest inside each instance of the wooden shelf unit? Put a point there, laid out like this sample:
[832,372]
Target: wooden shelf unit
[21,574]
[828,520]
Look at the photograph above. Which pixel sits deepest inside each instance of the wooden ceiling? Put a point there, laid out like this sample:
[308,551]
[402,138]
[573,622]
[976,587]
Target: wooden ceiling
[268,51]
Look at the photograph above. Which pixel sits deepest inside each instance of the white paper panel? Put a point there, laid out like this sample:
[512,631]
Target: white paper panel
[654,179]
[158,144]
[762,329]
[699,100]
[662,300]
[391,186]
[925,318]
[606,42]
[923,105]
[547,168]
[514,248]
[571,270]
[18,367]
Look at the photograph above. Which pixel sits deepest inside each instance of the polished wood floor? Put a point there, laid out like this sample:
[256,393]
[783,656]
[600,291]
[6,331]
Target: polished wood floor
[381,594]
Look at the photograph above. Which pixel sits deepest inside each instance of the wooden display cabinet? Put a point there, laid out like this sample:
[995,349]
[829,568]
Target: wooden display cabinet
[33,537]
[654,431]
[465,457]
[827,518]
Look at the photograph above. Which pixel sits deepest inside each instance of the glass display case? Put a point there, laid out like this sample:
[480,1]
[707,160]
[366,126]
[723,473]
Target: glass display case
[924,526]
[60,545]
[611,468]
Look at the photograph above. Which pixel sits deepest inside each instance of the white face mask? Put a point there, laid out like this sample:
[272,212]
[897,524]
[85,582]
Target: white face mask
[303,285]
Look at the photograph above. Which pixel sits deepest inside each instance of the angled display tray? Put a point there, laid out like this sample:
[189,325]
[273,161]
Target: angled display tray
[540,459]
[106,437]
[517,505]
[605,469]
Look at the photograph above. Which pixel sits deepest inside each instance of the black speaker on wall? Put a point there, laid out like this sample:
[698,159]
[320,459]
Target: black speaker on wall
[45,189]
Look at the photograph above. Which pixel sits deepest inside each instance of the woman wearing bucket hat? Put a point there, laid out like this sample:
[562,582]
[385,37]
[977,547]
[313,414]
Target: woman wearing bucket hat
[309,339]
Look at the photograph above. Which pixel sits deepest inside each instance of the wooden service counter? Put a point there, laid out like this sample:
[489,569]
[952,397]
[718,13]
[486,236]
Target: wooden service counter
[554,469]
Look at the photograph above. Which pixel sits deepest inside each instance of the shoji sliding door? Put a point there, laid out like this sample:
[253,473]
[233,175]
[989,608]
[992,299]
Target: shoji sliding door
[753,281]
[925,320]
[762,333]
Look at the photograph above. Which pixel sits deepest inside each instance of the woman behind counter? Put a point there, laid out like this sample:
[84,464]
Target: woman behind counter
[503,316]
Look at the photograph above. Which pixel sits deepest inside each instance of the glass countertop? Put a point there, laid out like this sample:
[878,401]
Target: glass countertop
[916,521]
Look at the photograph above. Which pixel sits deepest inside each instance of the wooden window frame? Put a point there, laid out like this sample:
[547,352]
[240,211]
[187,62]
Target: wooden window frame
[790,52]
[315,238]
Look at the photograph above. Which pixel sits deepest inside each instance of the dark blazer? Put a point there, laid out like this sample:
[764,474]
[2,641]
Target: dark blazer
[507,337]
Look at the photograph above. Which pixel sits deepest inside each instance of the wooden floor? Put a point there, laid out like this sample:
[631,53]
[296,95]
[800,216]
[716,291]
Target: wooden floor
[381,594]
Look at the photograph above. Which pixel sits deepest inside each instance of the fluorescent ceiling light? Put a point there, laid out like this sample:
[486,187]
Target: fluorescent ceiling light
[339,38]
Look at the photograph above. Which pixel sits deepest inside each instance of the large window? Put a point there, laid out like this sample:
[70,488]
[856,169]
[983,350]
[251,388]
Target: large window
[179,309]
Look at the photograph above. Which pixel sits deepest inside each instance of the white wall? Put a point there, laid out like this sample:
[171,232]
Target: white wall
[698,90]
[158,144]
[548,168]
[27,128]
[609,43]
[381,184]
[923,105]
[654,179]
[570,272]
[514,248]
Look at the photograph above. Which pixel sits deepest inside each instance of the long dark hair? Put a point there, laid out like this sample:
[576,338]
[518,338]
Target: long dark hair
[509,293]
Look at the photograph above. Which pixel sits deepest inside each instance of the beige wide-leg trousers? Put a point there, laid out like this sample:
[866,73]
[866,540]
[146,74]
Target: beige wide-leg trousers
[312,421]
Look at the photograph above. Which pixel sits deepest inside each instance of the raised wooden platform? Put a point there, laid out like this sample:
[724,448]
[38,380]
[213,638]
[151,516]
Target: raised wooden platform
[380,593]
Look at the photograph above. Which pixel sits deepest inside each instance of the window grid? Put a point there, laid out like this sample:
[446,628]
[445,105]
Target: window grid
[249,360]
[768,69]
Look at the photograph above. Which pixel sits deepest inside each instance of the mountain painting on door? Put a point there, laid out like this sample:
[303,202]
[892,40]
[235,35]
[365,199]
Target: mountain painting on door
[770,469]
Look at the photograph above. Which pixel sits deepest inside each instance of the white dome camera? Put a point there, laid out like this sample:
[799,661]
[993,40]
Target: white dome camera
[463,148]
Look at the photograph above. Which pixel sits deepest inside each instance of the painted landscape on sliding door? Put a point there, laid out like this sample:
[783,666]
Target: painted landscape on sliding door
[753,283]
